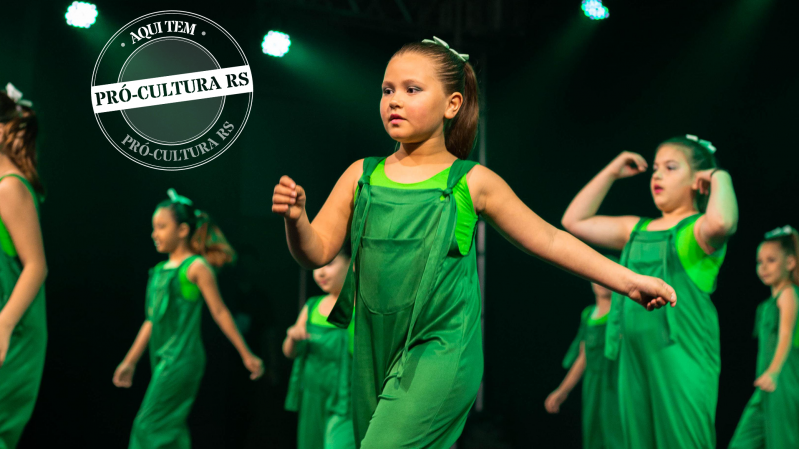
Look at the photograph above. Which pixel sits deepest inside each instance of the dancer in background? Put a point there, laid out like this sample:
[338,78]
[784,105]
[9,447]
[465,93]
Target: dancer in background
[175,294]
[685,247]
[418,357]
[600,375]
[23,321]
[771,418]
[319,388]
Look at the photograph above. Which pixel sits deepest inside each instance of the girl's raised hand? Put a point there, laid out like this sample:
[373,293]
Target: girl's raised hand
[702,181]
[288,199]
[652,293]
[766,382]
[123,376]
[255,365]
[627,164]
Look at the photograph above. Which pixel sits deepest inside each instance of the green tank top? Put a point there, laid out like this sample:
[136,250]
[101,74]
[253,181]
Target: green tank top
[767,327]
[6,244]
[466,216]
[701,267]
[173,308]
[316,318]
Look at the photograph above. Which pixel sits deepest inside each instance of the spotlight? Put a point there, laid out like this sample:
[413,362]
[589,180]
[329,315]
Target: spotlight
[595,10]
[276,44]
[81,14]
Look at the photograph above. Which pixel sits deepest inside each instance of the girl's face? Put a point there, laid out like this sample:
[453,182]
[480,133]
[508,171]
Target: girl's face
[672,179]
[414,105]
[773,265]
[167,234]
[330,278]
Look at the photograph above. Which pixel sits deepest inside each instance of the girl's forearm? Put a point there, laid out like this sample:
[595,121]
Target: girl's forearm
[574,375]
[289,348]
[586,204]
[722,205]
[305,244]
[225,322]
[27,287]
[140,344]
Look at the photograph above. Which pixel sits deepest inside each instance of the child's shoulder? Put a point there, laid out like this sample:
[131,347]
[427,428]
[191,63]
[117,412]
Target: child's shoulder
[12,187]
[788,297]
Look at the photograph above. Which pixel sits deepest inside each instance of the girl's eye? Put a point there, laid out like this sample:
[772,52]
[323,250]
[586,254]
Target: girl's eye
[386,91]
[413,90]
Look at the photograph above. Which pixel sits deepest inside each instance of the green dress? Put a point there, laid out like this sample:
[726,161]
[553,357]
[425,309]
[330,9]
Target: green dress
[601,421]
[771,420]
[319,388]
[418,357]
[21,373]
[177,357]
[669,359]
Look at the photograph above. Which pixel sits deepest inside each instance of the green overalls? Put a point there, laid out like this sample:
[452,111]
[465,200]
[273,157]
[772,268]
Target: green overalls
[21,373]
[601,422]
[319,388]
[771,420]
[669,359]
[418,357]
[177,358]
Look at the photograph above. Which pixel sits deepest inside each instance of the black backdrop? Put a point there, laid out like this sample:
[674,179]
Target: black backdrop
[563,96]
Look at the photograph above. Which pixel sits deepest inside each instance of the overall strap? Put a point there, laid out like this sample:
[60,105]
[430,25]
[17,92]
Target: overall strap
[445,232]
[341,315]
[613,334]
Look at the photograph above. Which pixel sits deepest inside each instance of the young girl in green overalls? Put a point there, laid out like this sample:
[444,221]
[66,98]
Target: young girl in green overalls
[418,357]
[23,321]
[586,359]
[771,418]
[175,294]
[319,388]
[669,361]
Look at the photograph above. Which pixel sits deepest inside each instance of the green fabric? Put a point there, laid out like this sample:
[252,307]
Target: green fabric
[177,358]
[189,290]
[655,348]
[467,217]
[320,385]
[418,356]
[771,420]
[601,421]
[21,373]
[701,267]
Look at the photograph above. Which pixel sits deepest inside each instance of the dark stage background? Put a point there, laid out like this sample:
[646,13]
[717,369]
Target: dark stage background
[564,95]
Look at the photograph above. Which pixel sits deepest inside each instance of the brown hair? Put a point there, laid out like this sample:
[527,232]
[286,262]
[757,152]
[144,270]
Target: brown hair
[456,76]
[205,237]
[789,243]
[18,130]
[700,158]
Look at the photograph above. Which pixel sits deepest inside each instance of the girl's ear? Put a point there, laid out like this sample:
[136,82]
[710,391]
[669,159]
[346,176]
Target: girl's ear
[183,230]
[790,263]
[453,106]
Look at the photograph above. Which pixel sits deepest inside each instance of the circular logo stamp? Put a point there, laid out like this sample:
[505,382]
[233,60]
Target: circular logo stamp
[172,90]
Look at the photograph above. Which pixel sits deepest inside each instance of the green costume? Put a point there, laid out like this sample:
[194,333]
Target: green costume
[418,357]
[319,388]
[669,359]
[771,420]
[177,358]
[21,373]
[601,421]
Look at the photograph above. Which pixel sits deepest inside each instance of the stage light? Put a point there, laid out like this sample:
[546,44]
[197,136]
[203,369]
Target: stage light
[276,44]
[595,10]
[81,14]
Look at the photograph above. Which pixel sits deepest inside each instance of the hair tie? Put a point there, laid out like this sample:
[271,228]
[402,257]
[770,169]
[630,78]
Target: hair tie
[436,41]
[780,232]
[175,198]
[704,143]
